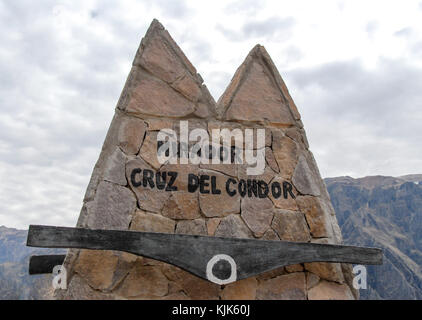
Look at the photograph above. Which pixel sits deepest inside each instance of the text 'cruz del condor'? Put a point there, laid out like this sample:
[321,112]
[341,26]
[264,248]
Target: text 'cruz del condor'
[207,184]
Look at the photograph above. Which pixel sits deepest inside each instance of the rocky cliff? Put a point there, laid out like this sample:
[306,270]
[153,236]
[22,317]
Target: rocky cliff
[15,282]
[384,212]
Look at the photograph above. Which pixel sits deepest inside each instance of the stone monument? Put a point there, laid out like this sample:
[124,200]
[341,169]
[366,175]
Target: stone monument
[131,190]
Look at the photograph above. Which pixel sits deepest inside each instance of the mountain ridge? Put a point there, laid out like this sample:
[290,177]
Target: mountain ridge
[383,211]
[15,282]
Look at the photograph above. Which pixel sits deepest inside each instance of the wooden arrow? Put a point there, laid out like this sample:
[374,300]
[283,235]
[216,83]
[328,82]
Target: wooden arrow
[220,260]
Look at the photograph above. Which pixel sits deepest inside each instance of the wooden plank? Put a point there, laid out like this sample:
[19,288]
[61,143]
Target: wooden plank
[195,253]
[45,263]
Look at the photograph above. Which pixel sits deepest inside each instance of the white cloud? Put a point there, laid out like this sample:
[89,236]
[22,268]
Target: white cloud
[352,68]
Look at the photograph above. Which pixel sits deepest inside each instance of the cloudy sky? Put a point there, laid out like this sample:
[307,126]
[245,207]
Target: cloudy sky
[354,69]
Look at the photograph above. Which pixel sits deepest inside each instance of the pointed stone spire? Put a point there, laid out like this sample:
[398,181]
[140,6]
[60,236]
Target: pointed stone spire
[130,190]
[163,82]
[258,93]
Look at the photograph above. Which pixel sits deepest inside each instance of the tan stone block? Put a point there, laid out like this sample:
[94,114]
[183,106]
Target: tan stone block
[212,225]
[270,159]
[111,208]
[326,270]
[202,110]
[127,257]
[298,135]
[182,206]
[268,137]
[194,287]
[240,290]
[97,268]
[114,170]
[196,227]
[183,171]
[159,59]
[304,179]
[176,296]
[152,200]
[149,199]
[224,101]
[286,154]
[218,205]
[257,92]
[347,270]
[78,289]
[258,214]
[311,280]
[148,150]
[270,235]
[192,124]
[233,226]
[318,220]
[285,287]
[151,222]
[266,176]
[187,86]
[131,134]
[271,274]
[227,169]
[277,78]
[159,124]
[281,202]
[326,290]
[149,262]
[174,287]
[294,268]
[156,98]
[217,124]
[290,226]
[144,281]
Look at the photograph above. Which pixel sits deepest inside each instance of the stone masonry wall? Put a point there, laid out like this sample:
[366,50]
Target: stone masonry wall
[163,88]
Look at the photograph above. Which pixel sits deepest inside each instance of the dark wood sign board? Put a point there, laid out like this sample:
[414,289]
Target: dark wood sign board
[236,258]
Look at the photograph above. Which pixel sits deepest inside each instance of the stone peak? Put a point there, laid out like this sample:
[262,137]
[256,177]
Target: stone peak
[156,31]
[256,93]
[156,24]
[161,68]
[266,84]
